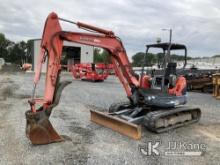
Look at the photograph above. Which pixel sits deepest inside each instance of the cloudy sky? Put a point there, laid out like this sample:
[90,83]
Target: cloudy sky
[195,23]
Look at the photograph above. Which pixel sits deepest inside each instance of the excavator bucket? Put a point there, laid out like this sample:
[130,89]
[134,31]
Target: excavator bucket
[39,129]
[123,127]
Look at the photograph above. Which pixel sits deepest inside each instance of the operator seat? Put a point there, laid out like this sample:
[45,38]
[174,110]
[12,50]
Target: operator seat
[180,87]
[170,75]
[176,91]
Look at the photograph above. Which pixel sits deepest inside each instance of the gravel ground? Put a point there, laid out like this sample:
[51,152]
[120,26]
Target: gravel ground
[88,143]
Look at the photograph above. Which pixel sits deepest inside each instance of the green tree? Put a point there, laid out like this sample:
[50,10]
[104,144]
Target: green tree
[138,59]
[28,52]
[13,52]
[101,56]
[18,53]
[216,55]
[4,46]
[152,59]
[160,59]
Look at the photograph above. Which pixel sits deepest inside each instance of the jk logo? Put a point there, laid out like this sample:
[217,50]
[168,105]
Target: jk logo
[150,149]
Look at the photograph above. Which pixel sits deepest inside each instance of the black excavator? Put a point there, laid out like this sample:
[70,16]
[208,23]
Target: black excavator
[160,99]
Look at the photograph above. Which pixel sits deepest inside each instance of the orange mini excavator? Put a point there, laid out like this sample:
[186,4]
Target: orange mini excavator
[157,109]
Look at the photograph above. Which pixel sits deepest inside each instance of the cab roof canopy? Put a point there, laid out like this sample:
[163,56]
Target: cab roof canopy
[165,46]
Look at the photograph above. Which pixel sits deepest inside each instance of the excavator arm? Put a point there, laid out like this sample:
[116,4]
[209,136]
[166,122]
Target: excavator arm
[52,44]
[51,48]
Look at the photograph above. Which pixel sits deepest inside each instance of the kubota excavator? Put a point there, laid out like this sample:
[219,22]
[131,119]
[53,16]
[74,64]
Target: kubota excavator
[159,110]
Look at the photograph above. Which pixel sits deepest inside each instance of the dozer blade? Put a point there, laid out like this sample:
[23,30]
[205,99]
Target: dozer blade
[39,129]
[119,125]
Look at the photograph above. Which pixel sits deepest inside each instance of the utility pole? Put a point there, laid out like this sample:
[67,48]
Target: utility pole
[167,57]
[170,42]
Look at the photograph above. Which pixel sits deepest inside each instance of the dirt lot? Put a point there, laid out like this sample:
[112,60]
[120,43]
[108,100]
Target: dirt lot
[88,143]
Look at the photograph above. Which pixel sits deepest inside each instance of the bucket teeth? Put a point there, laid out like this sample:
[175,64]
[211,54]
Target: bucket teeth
[39,129]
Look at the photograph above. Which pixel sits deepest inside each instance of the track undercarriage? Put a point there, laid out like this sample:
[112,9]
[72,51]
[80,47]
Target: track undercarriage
[128,119]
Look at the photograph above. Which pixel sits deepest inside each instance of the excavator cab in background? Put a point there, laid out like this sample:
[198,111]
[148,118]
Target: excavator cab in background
[157,109]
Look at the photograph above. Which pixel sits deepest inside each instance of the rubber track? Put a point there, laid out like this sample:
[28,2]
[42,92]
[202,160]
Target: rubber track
[151,118]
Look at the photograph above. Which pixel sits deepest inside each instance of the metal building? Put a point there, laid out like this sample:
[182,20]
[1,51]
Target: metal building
[72,53]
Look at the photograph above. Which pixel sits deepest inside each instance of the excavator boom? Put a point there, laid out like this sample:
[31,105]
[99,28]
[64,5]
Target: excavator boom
[39,129]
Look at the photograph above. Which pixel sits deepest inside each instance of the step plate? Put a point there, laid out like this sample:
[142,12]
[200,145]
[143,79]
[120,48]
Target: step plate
[119,125]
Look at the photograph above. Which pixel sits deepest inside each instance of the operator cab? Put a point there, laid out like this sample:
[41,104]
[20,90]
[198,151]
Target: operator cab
[163,87]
